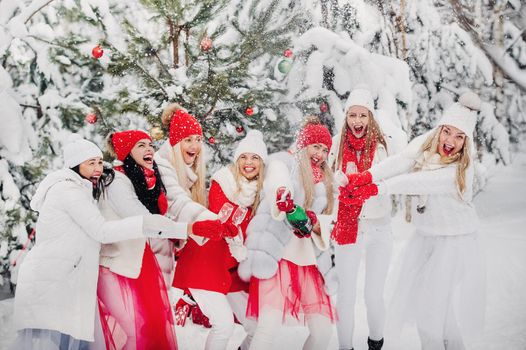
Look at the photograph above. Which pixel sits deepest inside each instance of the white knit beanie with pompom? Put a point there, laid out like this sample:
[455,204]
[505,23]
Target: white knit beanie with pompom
[252,143]
[360,96]
[78,150]
[463,114]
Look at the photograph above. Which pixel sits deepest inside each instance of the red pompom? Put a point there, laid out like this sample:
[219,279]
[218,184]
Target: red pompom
[97,52]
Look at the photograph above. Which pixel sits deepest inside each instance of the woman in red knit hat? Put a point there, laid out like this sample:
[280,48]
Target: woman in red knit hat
[181,164]
[361,226]
[131,291]
[209,272]
[286,282]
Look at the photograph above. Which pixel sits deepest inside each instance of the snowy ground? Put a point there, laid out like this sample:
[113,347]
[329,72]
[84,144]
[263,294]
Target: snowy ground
[502,209]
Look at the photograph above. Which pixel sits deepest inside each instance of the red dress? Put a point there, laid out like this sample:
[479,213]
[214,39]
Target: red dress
[211,266]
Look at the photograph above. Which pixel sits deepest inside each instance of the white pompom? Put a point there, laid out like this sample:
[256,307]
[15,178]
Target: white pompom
[73,138]
[470,100]
[255,134]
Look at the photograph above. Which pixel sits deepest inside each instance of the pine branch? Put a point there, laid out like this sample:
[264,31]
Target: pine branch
[37,10]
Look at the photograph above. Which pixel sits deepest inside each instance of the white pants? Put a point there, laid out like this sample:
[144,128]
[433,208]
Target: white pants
[269,322]
[219,309]
[376,239]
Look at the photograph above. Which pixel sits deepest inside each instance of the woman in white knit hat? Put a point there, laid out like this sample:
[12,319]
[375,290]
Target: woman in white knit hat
[361,228]
[441,286]
[55,301]
[209,272]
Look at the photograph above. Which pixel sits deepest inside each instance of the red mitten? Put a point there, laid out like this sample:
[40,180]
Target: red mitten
[359,195]
[199,318]
[359,179]
[312,216]
[212,229]
[298,233]
[284,201]
[230,230]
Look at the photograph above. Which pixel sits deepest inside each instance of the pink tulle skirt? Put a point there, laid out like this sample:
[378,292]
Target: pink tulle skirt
[135,313]
[294,290]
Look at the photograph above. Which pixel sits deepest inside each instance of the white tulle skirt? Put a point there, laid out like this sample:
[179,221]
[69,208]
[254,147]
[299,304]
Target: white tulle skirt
[441,287]
[45,339]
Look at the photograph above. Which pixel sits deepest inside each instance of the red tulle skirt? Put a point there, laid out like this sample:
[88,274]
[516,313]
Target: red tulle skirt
[296,291]
[135,313]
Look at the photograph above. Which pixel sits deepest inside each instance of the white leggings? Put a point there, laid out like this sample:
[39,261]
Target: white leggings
[376,240]
[269,322]
[219,309]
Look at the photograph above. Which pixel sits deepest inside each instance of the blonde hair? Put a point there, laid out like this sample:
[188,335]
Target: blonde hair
[462,158]
[307,181]
[373,131]
[234,168]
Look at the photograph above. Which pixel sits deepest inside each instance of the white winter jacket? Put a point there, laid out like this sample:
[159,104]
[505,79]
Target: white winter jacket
[378,207]
[446,211]
[57,282]
[181,208]
[125,258]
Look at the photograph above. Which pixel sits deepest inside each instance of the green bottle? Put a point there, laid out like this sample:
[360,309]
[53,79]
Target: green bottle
[298,219]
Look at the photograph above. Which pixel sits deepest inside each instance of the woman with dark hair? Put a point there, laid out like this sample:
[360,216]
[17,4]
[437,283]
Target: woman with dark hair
[131,289]
[55,301]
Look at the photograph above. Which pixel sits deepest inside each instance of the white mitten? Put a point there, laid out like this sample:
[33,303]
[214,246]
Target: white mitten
[340,178]
[158,226]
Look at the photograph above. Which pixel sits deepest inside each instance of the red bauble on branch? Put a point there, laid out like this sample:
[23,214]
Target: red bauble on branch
[211,140]
[288,53]
[249,111]
[240,129]
[324,107]
[206,44]
[91,118]
[97,52]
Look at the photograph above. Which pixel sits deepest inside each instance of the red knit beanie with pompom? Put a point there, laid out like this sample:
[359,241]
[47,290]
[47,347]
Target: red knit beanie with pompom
[183,125]
[314,133]
[124,141]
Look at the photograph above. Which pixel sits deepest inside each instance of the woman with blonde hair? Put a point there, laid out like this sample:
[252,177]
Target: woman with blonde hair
[361,228]
[180,161]
[286,282]
[442,280]
[209,272]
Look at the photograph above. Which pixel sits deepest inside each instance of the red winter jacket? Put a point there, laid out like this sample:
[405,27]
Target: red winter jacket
[210,266]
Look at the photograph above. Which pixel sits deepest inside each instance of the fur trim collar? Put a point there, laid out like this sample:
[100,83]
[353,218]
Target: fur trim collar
[244,196]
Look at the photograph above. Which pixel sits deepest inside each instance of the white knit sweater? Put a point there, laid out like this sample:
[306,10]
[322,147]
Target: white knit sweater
[447,213]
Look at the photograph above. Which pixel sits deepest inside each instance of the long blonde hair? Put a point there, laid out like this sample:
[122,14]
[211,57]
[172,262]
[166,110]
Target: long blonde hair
[307,181]
[462,158]
[234,168]
[373,131]
[198,188]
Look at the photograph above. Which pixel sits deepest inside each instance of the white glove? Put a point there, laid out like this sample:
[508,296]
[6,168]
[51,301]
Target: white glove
[340,178]
[158,226]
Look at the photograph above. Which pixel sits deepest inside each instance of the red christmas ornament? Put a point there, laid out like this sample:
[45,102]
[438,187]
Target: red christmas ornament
[211,140]
[249,111]
[239,129]
[206,44]
[91,118]
[324,107]
[97,52]
[288,53]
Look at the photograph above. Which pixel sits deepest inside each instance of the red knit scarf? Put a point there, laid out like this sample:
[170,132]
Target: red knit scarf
[346,229]
[317,173]
[151,179]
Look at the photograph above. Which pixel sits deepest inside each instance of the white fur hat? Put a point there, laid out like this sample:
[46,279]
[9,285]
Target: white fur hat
[78,150]
[252,143]
[463,114]
[360,97]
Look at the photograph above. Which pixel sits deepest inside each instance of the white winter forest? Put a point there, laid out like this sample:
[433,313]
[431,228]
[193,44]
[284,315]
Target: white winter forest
[93,66]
